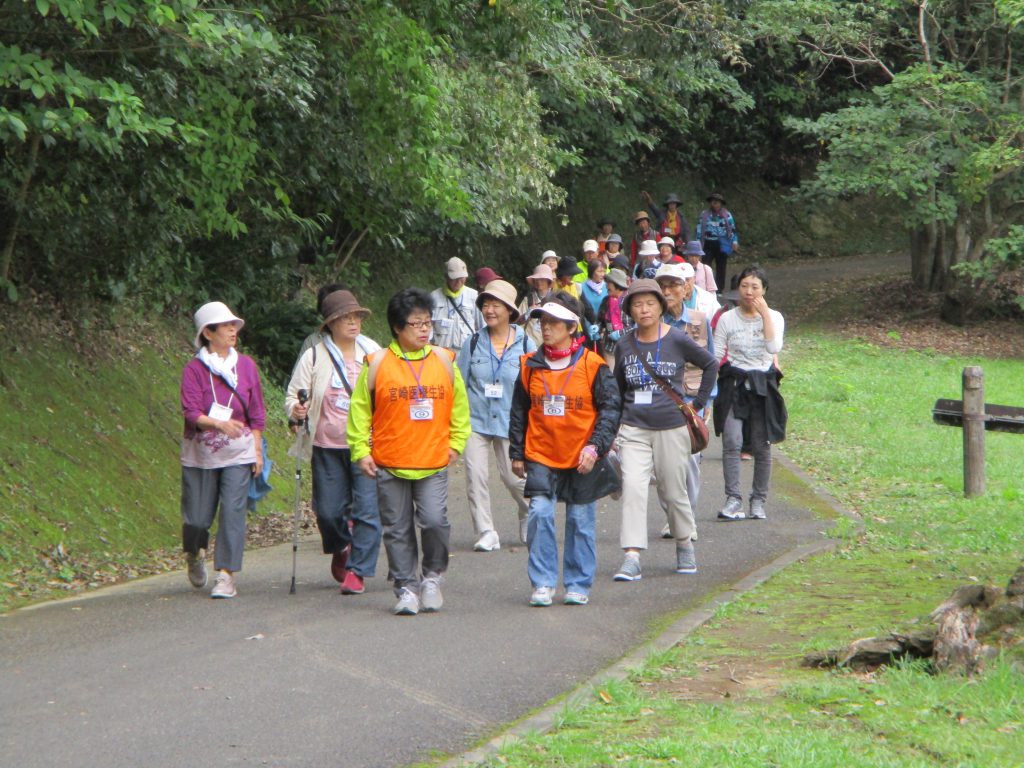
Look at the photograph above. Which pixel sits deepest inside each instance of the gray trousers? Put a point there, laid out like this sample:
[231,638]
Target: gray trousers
[404,505]
[201,492]
[760,448]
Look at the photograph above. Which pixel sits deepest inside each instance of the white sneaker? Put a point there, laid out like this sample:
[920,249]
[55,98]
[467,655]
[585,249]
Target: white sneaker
[488,542]
[757,509]
[431,598]
[733,509]
[224,586]
[408,603]
[542,596]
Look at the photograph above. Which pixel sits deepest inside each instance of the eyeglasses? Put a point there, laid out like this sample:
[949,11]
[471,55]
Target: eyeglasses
[419,324]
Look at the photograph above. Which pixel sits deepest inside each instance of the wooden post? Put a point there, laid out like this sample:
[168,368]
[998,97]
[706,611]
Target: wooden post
[974,431]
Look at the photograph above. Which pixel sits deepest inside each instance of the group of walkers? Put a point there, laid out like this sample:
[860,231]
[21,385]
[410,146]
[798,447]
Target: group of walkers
[580,391]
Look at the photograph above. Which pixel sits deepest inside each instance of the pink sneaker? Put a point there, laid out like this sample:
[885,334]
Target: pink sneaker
[352,584]
[224,586]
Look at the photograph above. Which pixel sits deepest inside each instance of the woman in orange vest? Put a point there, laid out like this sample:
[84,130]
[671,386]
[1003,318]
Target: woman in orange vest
[412,399]
[565,413]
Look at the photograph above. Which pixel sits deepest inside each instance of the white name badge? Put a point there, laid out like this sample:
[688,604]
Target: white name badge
[554,405]
[445,324]
[341,402]
[643,397]
[421,410]
[220,412]
[494,391]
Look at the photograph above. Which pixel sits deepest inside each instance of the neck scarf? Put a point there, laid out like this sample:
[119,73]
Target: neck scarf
[558,354]
[449,294]
[223,367]
[335,352]
[596,287]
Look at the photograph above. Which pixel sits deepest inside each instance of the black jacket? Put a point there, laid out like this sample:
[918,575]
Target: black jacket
[568,484]
[733,394]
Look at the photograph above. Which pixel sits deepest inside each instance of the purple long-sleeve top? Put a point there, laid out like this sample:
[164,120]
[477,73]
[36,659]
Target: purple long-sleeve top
[197,397]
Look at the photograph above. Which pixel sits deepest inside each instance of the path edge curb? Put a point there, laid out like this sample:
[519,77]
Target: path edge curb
[544,720]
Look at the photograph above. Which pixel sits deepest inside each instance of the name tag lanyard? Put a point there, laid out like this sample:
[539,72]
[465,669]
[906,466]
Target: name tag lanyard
[644,378]
[544,381]
[496,369]
[421,393]
[214,392]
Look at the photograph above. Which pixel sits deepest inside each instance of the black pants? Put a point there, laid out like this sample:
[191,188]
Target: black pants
[714,258]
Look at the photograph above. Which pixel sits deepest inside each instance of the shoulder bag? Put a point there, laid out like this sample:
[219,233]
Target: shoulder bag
[695,425]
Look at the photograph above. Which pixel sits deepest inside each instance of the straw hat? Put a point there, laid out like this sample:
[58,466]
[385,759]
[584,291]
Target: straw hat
[504,292]
[641,215]
[212,313]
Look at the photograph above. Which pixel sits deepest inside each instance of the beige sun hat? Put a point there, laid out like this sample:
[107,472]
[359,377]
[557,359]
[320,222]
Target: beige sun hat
[649,248]
[455,268]
[212,313]
[503,291]
[541,272]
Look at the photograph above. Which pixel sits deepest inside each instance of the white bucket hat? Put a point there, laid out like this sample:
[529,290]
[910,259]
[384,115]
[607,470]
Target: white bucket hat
[666,240]
[212,313]
[555,310]
[649,248]
[681,272]
[548,255]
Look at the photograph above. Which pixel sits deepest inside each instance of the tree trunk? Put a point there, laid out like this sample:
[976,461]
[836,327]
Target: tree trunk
[922,255]
[7,256]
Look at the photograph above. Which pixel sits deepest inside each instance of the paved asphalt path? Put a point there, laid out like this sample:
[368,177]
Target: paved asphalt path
[154,673]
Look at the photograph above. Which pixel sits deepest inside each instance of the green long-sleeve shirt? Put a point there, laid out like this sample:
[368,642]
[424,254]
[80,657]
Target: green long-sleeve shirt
[360,416]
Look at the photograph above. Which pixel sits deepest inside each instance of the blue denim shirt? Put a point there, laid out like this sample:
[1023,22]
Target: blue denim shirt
[479,367]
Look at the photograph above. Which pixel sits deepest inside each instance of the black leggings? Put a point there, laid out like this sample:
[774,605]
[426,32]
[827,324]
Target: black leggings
[714,257]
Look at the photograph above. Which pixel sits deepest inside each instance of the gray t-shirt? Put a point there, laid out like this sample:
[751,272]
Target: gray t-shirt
[644,403]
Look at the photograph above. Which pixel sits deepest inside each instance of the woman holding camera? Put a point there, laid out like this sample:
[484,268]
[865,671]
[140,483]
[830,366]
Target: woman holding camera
[345,500]
[222,404]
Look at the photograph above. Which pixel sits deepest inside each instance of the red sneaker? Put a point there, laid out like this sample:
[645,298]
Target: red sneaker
[352,584]
[338,562]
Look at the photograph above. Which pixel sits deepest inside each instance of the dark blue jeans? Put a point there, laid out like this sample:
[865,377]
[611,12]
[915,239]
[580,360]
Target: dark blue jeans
[342,493]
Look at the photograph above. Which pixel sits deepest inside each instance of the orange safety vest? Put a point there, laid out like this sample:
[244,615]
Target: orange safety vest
[556,441]
[399,442]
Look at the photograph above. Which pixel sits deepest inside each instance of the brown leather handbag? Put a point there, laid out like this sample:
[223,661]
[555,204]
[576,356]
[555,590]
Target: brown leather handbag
[695,425]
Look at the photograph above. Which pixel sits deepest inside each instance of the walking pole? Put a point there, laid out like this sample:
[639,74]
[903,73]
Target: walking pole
[302,434]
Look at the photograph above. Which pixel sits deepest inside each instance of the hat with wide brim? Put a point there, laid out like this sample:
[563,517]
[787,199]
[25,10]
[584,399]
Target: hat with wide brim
[541,272]
[567,267]
[212,313]
[484,275]
[614,237]
[641,215]
[693,248]
[672,197]
[644,285]
[605,221]
[666,240]
[648,248]
[617,277]
[716,196]
[504,292]
[555,310]
[620,262]
[339,304]
[548,255]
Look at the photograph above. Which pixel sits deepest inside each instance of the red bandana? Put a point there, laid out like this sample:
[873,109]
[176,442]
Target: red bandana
[558,354]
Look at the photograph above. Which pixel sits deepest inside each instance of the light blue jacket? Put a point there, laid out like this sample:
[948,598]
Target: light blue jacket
[479,367]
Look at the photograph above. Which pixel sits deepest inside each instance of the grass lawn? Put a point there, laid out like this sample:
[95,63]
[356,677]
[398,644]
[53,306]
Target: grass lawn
[733,693]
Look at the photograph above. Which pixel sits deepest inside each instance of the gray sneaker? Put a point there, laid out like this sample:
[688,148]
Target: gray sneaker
[757,509]
[733,509]
[629,570]
[197,574]
[430,594]
[408,603]
[686,559]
